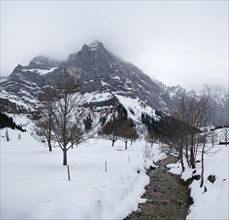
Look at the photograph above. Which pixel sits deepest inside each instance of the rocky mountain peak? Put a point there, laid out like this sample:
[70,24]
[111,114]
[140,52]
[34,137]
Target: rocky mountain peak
[97,70]
[95,45]
[89,53]
[178,90]
[41,62]
[100,70]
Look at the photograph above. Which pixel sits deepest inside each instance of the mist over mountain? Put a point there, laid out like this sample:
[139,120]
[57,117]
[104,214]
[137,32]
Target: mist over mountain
[97,72]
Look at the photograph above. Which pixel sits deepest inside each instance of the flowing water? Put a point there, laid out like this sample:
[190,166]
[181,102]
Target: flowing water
[167,198]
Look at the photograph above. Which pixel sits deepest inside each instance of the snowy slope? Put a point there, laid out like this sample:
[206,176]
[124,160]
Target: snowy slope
[34,182]
[98,104]
[212,204]
[136,107]
[103,104]
[40,71]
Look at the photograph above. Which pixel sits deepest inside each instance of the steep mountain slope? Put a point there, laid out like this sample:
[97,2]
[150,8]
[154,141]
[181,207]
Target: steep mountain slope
[96,71]
[99,70]
[219,99]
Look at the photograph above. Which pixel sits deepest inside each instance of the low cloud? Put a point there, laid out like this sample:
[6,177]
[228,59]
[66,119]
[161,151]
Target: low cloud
[177,42]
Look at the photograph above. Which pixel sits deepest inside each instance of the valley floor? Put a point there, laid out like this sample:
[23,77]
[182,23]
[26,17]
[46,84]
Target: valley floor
[34,183]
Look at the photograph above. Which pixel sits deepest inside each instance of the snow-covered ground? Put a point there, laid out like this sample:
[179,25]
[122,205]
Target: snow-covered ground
[34,183]
[212,204]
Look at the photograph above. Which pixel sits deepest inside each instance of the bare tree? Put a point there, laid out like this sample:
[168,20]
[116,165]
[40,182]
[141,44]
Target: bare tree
[119,129]
[65,126]
[110,131]
[150,138]
[181,130]
[61,122]
[44,124]
[194,120]
[194,113]
[126,131]
[206,115]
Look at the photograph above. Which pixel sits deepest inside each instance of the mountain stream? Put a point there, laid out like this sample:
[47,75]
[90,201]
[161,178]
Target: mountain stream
[167,198]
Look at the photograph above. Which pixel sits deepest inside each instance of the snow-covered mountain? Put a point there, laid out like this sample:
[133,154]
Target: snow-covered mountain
[219,100]
[105,84]
[97,72]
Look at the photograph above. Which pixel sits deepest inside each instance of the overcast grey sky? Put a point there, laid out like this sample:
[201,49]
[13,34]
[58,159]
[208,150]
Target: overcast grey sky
[176,42]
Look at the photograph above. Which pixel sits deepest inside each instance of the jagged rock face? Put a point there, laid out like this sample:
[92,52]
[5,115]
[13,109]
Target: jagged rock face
[97,70]
[219,100]
[42,62]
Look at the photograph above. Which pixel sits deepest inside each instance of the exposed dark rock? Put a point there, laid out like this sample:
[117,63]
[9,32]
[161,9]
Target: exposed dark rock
[196,177]
[152,168]
[194,171]
[212,178]
[41,62]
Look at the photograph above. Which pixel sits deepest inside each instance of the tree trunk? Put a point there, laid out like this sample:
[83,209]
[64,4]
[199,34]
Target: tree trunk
[192,153]
[202,162]
[181,155]
[202,167]
[192,159]
[65,157]
[125,145]
[50,129]
[151,144]
[197,146]
[186,151]
[113,143]
[49,145]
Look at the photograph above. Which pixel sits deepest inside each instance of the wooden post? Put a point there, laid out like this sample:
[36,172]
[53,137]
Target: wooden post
[105,166]
[69,178]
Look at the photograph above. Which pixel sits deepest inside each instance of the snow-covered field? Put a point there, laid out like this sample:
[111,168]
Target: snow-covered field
[34,183]
[214,203]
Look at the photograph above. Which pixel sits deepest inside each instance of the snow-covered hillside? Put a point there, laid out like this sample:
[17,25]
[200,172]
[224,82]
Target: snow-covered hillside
[104,104]
[212,204]
[34,183]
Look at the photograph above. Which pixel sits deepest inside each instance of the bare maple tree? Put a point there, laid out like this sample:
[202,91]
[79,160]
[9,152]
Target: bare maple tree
[62,123]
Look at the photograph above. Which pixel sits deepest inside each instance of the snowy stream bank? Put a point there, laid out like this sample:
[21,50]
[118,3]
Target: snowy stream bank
[166,197]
